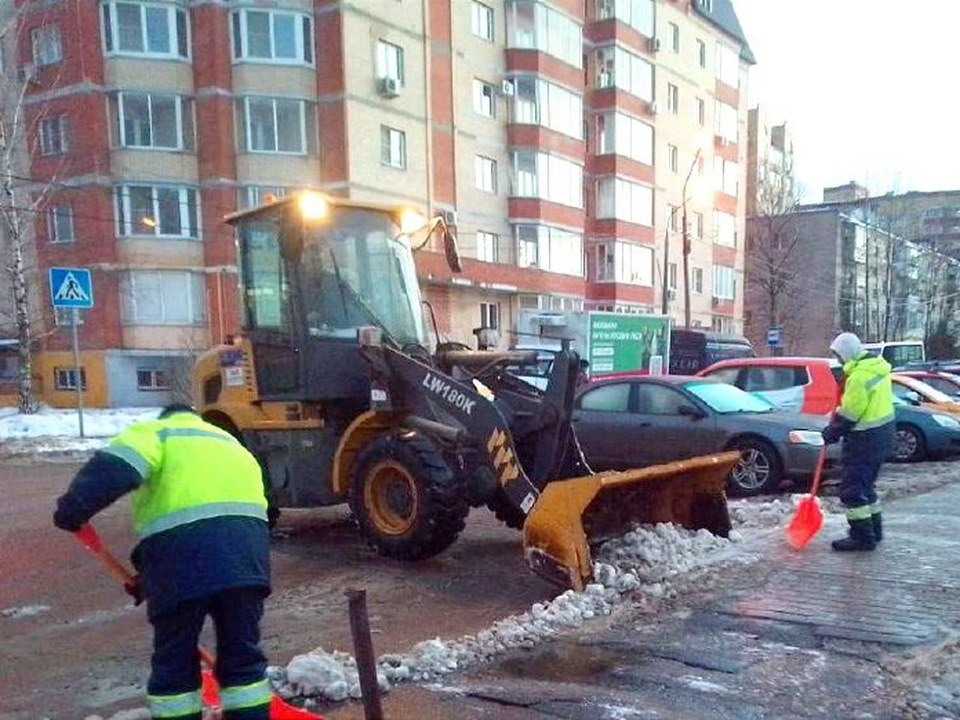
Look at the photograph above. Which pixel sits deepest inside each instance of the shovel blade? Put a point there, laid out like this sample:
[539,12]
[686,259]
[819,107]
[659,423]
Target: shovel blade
[806,523]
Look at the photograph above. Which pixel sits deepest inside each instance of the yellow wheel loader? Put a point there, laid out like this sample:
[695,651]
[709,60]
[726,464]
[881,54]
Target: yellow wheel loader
[331,386]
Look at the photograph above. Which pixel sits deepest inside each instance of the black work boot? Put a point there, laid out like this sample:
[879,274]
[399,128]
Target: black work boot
[861,537]
[877,527]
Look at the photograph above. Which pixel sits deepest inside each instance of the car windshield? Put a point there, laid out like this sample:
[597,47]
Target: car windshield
[930,393]
[725,399]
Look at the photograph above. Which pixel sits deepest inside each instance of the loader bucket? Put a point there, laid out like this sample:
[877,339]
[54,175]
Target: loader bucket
[571,515]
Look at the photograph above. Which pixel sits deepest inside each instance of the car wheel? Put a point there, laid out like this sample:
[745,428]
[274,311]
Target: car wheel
[909,444]
[759,469]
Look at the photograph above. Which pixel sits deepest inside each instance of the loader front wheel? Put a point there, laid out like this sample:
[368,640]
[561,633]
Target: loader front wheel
[408,503]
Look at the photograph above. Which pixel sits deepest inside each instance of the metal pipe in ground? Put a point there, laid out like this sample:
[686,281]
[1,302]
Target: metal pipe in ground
[363,651]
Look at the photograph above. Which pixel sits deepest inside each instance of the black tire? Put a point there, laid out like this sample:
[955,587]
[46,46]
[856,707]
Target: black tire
[909,444]
[407,502]
[759,470]
[505,512]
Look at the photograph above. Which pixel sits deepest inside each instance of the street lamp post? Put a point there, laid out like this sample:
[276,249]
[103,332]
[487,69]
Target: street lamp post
[686,249]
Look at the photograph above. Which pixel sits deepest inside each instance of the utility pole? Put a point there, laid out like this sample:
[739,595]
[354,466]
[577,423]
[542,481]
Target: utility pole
[686,245]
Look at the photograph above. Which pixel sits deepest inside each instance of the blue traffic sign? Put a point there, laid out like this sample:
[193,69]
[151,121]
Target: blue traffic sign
[773,337]
[71,288]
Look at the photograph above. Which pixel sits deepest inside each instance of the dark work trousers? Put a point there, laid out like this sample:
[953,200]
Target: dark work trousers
[236,617]
[863,454]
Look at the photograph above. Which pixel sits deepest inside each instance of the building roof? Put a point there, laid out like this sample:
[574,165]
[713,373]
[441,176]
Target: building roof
[725,17]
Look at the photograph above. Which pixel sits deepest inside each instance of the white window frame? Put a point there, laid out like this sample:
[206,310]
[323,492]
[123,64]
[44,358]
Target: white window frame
[155,384]
[701,112]
[673,98]
[724,282]
[620,68]
[551,106]
[240,18]
[638,14]
[672,273]
[552,32]
[673,158]
[490,315]
[55,214]
[46,45]
[674,37]
[127,224]
[482,21]
[484,99]
[726,235]
[549,248]
[726,177]
[65,377]
[485,174]
[391,62]
[396,142]
[196,298]
[624,200]
[701,53]
[54,135]
[111,34]
[697,281]
[728,66]
[488,246]
[621,134]
[248,136]
[726,121]
[555,179]
[178,114]
[251,196]
[625,263]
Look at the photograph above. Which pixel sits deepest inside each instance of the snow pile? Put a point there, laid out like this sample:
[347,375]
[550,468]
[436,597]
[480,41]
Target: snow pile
[638,565]
[135,714]
[49,422]
[25,611]
[762,513]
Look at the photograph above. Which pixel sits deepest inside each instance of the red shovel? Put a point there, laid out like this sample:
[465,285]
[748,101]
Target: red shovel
[809,518]
[280,709]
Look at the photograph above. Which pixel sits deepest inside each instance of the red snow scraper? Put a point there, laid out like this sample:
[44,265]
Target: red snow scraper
[809,518]
[280,709]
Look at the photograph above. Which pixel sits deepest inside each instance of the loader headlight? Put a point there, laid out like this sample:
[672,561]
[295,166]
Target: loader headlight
[411,221]
[945,421]
[806,437]
[313,206]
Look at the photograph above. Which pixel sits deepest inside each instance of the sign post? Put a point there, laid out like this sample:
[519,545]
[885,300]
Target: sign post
[73,288]
[775,340]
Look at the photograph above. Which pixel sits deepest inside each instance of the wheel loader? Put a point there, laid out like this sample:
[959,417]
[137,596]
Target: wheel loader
[332,387]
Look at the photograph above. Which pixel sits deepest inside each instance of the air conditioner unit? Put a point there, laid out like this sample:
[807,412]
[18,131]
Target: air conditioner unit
[715,301]
[653,107]
[507,88]
[28,73]
[450,217]
[389,87]
[654,44]
[671,294]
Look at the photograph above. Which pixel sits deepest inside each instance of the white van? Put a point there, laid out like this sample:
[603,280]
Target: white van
[899,353]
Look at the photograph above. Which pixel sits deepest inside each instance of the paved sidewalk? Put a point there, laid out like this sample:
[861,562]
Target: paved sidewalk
[812,634]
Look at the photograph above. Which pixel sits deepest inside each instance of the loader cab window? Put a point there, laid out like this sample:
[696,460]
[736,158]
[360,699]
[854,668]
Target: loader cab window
[266,292]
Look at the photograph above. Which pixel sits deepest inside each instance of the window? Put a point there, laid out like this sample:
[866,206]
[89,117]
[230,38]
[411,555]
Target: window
[481,20]
[154,121]
[272,36]
[157,211]
[698,281]
[725,176]
[275,125]
[725,122]
[638,14]
[483,103]
[725,375]
[390,61]
[46,45]
[698,225]
[625,200]
[673,156]
[485,173]
[150,379]
[393,147]
[701,112]
[720,324]
[618,68]
[60,224]
[675,37]
[488,246]
[658,400]
[724,285]
[672,276]
[550,248]
[162,297]
[607,398]
[724,229]
[623,135]
[728,66]
[625,262]
[490,315]
[536,26]
[774,377]
[547,177]
[673,224]
[256,195]
[145,29]
[702,53]
[539,102]
[66,378]
[54,135]
[673,98]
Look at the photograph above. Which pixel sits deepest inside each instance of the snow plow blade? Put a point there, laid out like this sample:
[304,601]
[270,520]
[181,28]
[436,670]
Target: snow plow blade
[571,515]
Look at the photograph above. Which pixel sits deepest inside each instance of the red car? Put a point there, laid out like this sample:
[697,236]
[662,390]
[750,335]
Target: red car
[800,384]
[942,381]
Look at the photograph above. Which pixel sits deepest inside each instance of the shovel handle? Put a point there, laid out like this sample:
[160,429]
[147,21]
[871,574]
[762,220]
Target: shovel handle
[818,473]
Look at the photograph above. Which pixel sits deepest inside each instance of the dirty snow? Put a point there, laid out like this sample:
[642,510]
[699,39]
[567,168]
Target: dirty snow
[25,611]
[57,431]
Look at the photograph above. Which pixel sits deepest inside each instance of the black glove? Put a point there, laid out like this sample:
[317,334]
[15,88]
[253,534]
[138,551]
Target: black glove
[66,520]
[832,434]
[134,590]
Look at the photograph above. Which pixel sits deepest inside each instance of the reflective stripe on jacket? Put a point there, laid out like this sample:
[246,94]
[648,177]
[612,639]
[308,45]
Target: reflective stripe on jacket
[867,399]
[190,470]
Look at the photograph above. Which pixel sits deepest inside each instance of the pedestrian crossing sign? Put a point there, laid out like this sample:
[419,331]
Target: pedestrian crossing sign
[71,288]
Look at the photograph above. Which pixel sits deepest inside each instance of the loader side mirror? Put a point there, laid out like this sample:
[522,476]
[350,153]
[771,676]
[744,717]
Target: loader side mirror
[451,250]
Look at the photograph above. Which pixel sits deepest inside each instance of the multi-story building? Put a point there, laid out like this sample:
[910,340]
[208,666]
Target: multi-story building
[848,263]
[568,142]
[771,181]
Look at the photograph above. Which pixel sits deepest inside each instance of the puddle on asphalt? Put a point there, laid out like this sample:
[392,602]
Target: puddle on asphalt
[570,662]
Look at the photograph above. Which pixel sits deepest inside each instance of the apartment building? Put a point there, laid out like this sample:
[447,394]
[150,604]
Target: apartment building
[567,142]
[771,180]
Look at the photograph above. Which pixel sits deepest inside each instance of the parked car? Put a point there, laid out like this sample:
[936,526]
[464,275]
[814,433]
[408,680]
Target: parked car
[812,383]
[635,422]
[898,352]
[917,392]
[942,381]
[693,350]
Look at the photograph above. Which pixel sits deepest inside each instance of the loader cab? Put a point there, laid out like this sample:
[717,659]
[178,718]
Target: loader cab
[313,270]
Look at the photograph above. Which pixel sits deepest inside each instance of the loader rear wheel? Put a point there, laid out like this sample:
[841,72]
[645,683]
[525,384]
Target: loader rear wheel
[408,503]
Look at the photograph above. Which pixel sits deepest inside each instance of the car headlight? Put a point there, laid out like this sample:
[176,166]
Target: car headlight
[806,437]
[947,422]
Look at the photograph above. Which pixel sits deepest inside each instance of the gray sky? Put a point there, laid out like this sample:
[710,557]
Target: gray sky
[869,88]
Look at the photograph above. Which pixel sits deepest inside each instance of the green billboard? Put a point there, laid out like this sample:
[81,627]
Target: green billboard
[624,344]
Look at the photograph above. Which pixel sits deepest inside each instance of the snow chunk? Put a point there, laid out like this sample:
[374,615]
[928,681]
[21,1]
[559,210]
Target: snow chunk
[25,611]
